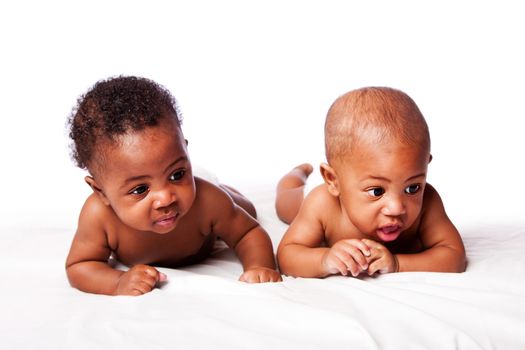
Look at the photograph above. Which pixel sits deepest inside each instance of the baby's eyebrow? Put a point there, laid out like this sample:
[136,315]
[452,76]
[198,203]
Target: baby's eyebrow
[381,178]
[416,176]
[180,159]
[134,178]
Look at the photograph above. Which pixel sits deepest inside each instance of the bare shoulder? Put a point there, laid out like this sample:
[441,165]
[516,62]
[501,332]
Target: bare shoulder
[210,193]
[317,210]
[92,241]
[215,207]
[211,201]
[309,226]
[431,200]
[320,202]
[95,211]
[436,226]
[97,221]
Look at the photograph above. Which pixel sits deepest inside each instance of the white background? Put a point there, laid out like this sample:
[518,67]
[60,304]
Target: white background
[254,81]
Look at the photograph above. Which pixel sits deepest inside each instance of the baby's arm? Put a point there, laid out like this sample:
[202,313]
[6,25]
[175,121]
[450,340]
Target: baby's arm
[255,251]
[301,251]
[443,249]
[87,263]
[244,234]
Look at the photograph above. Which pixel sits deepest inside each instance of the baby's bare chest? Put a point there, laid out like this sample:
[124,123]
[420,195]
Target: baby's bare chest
[185,245]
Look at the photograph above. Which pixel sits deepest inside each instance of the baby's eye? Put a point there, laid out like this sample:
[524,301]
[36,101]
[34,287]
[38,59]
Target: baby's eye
[177,175]
[412,189]
[139,190]
[376,191]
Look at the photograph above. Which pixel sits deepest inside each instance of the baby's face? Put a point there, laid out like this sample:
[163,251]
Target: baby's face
[147,178]
[381,188]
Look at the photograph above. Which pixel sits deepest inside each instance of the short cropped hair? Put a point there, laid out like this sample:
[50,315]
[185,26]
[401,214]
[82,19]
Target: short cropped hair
[373,114]
[114,107]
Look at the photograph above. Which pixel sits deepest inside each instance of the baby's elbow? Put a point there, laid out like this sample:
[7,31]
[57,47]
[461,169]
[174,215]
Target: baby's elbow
[462,264]
[282,263]
[458,261]
[285,269]
[72,273]
[279,258]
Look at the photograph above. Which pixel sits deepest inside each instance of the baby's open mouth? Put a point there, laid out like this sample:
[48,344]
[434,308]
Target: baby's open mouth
[167,221]
[389,233]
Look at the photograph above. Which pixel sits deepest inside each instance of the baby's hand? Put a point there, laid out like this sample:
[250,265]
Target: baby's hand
[380,259]
[138,280]
[260,275]
[347,255]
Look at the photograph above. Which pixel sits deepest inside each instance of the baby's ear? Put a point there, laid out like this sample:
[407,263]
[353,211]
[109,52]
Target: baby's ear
[330,178]
[96,188]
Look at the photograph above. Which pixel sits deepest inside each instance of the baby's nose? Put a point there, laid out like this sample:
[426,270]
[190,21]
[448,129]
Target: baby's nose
[394,206]
[164,198]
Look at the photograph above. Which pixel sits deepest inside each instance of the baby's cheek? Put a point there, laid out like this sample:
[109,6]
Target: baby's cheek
[137,219]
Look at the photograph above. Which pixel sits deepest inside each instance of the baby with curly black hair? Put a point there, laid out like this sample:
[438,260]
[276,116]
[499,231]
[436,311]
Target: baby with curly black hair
[147,207]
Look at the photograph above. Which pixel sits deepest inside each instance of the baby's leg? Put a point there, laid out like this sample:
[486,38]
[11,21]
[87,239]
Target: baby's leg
[290,192]
[240,200]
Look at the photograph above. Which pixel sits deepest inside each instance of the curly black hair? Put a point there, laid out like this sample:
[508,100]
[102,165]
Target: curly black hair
[113,107]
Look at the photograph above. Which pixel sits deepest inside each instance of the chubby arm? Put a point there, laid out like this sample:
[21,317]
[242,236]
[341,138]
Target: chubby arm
[87,263]
[255,251]
[302,252]
[243,233]
[443,249]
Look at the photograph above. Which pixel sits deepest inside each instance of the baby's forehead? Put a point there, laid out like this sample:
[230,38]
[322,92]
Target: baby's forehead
[368,148]
[387,144]
[385,157]
[133,141]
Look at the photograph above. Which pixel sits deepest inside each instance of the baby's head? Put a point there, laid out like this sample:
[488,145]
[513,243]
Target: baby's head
[378,150]
[371,116]
[126,133]
[112,108]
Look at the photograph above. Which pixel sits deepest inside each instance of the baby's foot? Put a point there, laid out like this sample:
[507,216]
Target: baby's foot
[305,168]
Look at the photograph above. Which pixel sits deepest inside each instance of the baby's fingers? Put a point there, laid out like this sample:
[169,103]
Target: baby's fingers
[362,246]
[376,250]
[142,288]
[374,267]
[140,279]
[155,274]
[249,278]
[381,266]
[349,262]
[334,265]
[371,244]
[271,276]
[356,256]
[261,275]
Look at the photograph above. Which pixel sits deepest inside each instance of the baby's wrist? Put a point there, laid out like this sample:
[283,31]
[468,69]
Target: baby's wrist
[326,269]
[260,268]
[396,263]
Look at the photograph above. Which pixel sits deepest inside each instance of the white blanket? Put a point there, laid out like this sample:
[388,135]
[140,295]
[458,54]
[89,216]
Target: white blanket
[205,307]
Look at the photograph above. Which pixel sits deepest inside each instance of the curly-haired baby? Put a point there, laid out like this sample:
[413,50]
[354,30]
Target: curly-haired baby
[147,207]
